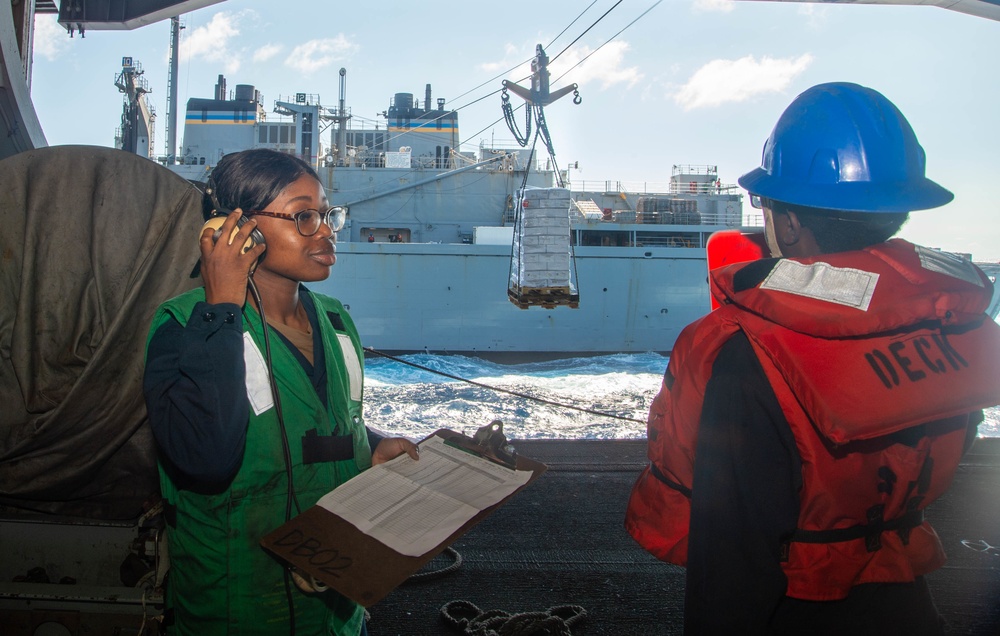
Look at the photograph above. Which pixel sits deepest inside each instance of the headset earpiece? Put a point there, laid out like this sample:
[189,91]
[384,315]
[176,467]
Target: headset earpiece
[216,224]
[219,214]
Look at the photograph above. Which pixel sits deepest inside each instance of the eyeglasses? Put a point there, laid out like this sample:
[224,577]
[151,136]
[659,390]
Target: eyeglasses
[307,222]
[756,201]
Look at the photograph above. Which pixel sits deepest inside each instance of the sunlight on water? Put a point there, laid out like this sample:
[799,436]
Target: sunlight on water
[414,403]
[991,425]
[403,400]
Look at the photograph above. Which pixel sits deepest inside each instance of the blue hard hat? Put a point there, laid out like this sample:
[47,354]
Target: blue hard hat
[842,146]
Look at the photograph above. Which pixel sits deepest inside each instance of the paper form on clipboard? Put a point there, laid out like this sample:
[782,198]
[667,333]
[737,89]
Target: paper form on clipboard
[416,505]
[412,506]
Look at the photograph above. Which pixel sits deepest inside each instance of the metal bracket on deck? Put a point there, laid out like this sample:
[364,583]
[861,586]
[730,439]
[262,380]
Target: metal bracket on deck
[494,443]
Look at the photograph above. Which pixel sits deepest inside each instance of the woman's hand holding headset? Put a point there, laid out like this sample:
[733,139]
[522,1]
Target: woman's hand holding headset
[226,265]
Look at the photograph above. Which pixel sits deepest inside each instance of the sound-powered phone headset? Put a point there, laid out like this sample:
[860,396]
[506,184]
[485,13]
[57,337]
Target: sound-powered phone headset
[218,217]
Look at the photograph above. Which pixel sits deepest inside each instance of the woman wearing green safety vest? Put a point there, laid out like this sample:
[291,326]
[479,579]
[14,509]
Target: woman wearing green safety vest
[255,423]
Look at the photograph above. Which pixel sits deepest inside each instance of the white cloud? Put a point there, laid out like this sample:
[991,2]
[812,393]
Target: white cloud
[314,55]
[509,51]
[211,42]
[816,15]
[267,52]
[724,81]
[50,38]
[606,66]
[714,6]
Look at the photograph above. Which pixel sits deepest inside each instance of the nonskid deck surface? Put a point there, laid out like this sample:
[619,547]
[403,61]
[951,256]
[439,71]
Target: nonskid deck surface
[561,542]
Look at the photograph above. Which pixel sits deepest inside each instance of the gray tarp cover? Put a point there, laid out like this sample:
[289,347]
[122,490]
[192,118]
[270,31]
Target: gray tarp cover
[92,240]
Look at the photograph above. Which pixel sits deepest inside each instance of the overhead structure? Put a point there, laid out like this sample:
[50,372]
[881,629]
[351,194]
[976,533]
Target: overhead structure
[989,9]
[122,15]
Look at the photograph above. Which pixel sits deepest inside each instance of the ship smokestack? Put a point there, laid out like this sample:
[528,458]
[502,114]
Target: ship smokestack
[427,98]
[220,88]
[246,93]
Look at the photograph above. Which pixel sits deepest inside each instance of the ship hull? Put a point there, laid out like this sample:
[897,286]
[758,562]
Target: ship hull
[452,298]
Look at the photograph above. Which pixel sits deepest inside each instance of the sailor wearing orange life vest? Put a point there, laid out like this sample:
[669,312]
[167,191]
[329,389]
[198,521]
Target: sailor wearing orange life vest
[803,426]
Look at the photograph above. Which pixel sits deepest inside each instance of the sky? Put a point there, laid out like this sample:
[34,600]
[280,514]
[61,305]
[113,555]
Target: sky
[675,82]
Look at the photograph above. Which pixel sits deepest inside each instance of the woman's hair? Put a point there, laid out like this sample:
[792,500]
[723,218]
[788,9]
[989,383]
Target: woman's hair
[252,179]
[840,231]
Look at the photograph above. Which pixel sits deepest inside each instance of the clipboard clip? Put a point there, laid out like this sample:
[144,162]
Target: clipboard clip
[494,444]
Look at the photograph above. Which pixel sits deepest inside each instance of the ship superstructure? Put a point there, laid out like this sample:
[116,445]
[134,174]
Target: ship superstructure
[425,257]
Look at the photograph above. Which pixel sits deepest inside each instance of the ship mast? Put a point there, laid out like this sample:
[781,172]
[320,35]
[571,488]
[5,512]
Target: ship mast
[171,125]
[340,117]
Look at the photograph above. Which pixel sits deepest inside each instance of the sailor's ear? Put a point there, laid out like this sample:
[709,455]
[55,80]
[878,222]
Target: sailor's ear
[794,238]
[788,227]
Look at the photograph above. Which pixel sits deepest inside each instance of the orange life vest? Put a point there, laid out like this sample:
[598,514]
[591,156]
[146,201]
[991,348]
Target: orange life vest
[876,358]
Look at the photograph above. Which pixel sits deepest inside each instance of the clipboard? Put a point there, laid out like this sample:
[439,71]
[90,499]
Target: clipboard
[337,554]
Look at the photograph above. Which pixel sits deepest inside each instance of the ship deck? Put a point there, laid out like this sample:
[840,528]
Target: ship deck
[561,542]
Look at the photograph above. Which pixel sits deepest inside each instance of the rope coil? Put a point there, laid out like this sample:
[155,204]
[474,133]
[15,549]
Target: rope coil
[428,575]
[472,621]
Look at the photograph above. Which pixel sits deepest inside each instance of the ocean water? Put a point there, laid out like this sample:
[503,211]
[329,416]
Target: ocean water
[603,397]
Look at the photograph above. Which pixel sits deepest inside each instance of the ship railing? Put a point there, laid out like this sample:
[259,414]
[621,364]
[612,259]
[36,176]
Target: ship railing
[679,170]
[368,159]
[518,155]
[671,218]
[631,217]
[307,99]
[696,187]
[619,187]
[651,188]
[684,239]
[501,144]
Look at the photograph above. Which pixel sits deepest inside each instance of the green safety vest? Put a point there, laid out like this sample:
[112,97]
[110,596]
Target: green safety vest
[220,580]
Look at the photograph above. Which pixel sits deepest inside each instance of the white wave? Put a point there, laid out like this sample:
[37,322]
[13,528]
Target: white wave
[412,402]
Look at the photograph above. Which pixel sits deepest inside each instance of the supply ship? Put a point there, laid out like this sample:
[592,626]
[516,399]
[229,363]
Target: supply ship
[424,261]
